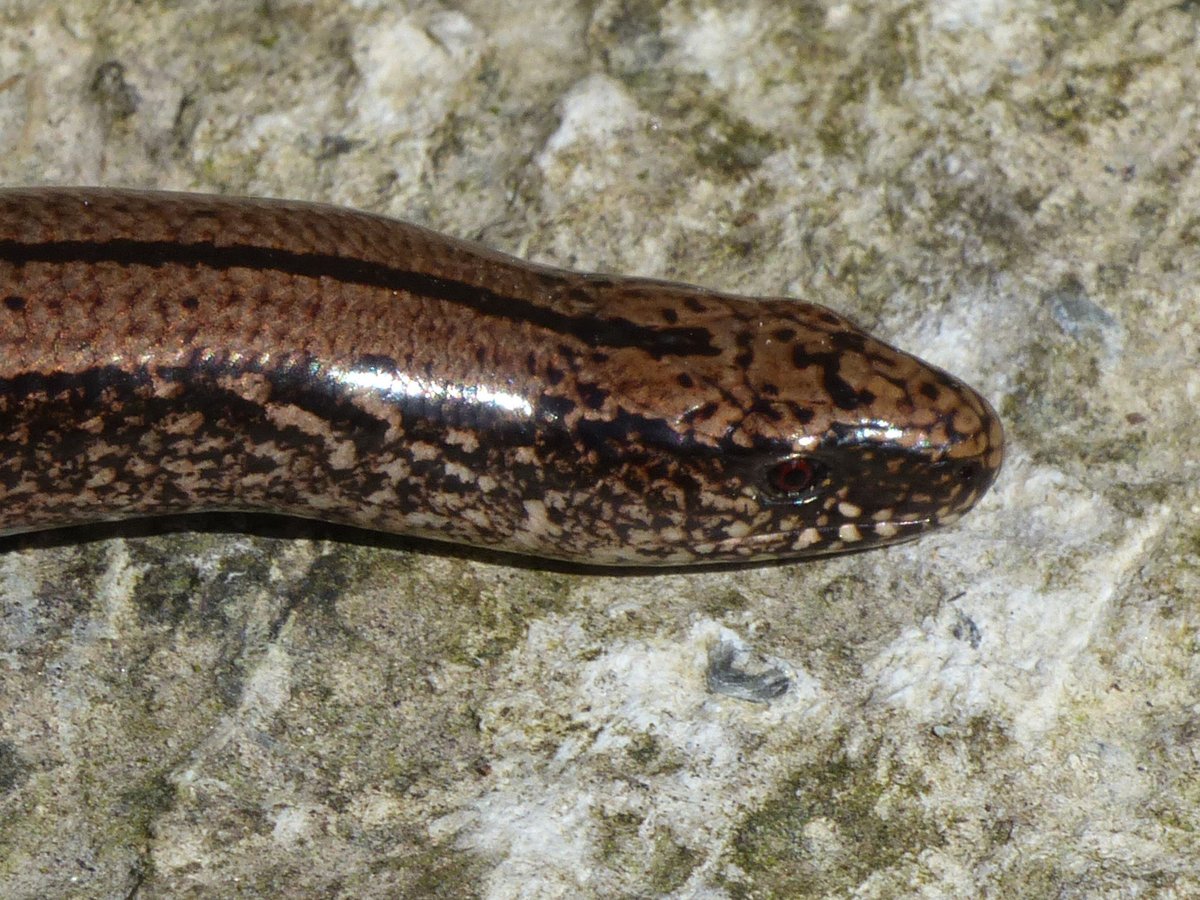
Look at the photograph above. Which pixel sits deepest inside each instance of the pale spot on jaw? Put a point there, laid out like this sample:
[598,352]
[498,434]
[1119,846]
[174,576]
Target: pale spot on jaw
[101,478]
[318,501]
[384,497]
[477,517]
[536,520]
[459,471]
[849,533]
[468,440]
[424,451]
[886,529]
[287,414]
[344,456]
[396,470]
[807,538]
[184,424]
[849,510]
[670,536]
[737,529]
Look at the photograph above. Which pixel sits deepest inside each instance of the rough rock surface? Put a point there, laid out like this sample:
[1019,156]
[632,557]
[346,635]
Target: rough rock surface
[1009,188]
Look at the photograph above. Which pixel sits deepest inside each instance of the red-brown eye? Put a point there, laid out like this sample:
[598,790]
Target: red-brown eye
[794,476]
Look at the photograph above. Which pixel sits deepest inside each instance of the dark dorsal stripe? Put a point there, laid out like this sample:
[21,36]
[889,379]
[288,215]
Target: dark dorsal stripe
[592,331]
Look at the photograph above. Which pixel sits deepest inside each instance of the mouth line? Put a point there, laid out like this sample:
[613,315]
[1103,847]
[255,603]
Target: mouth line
[824,536]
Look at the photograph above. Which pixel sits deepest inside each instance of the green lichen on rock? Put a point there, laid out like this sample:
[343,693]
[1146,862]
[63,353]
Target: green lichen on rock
[671,863]
[827,828]
[13,769]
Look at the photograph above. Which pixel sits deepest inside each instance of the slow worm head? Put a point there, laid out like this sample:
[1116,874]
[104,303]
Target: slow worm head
[164,353]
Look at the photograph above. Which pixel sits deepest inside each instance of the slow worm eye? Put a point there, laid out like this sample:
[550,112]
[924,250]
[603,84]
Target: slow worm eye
[792,478]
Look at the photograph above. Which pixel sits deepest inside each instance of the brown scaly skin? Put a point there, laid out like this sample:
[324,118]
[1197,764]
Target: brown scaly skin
[165,353]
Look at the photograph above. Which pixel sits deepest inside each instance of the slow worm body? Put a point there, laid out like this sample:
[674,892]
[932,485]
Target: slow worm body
[164,353]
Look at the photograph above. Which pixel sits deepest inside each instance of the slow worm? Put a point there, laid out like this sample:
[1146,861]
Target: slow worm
[165,353]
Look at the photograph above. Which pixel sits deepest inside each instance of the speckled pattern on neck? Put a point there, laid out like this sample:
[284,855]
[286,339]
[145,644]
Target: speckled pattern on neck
[165,353]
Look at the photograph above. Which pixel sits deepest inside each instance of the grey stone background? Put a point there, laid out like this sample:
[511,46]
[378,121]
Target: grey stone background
[1008,708]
